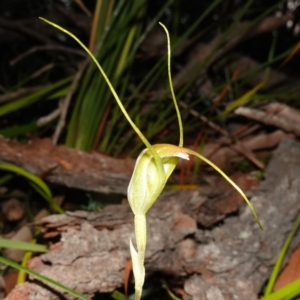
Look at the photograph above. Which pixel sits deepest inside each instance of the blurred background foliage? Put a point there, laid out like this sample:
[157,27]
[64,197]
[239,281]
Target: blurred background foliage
[49,88]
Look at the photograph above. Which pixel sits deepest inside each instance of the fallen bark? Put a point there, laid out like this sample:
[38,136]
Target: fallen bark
[282,122]
[69,167]
[231,261]
[100,173]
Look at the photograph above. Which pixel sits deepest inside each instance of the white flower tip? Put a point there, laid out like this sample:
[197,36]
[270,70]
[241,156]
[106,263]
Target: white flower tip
[184,155]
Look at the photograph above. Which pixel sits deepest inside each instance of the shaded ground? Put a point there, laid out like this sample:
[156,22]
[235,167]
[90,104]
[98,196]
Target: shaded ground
[229,261]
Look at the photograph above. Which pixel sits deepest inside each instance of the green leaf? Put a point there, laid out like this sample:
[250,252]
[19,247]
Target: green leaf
[281,256]
[32,98]
[43,278]
[6,178]
[19,130]
[13,244]
[290,291]
[37,183]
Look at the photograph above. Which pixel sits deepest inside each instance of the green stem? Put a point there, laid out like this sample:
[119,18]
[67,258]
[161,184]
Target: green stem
[172,88]
[140,226]
[229,180]
[139,133]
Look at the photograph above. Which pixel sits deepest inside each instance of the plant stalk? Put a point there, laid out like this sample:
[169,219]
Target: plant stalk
[140,227]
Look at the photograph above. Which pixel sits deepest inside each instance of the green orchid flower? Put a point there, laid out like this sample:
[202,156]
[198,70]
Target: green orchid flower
[153,167]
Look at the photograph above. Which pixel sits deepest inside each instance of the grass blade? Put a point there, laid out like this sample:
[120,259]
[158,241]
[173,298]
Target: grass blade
[43,278]
[14,244]
[37,183]
[280,259]
[288,292]
[30,99]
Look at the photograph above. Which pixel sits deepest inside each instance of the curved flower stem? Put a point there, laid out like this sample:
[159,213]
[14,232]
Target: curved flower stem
[229,180]
[171,86]
[139,133]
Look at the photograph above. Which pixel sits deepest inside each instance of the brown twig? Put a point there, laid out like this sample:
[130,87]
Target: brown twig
[40,71]
[101,126]
[66,103]
[46,48]
[270,119]
[242,31]
[24,28]
[79,20]
[19,93]
[237,146]
[48,118]
[84,8]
